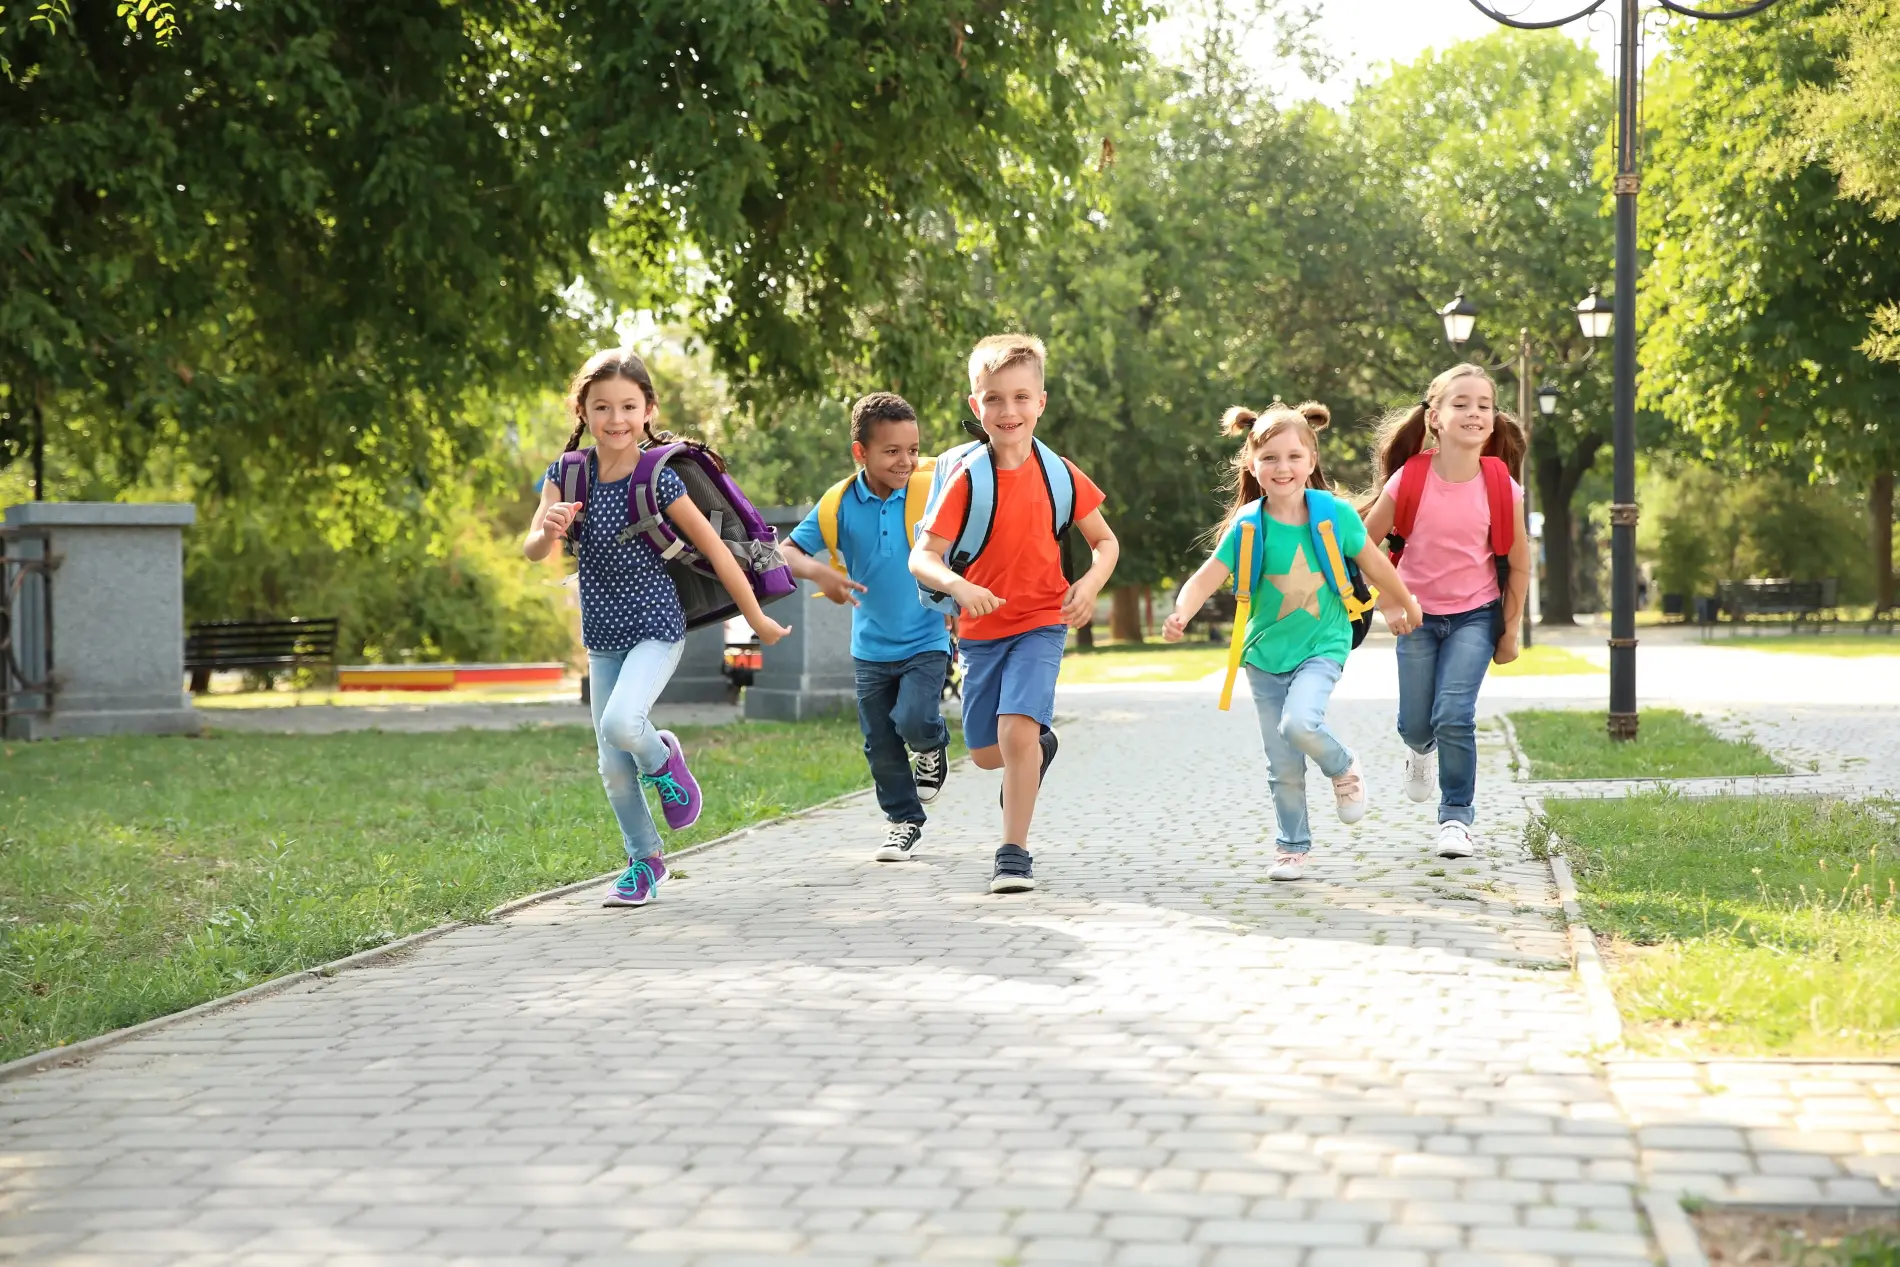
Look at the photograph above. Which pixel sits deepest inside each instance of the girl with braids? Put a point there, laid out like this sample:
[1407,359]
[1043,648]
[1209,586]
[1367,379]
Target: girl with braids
[1296,646]
[631,621]
[1449,559]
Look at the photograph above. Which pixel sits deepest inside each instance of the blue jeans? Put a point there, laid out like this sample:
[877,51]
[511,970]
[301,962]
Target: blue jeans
[624,686]
[1441,666]
[1292,709]
[898,711]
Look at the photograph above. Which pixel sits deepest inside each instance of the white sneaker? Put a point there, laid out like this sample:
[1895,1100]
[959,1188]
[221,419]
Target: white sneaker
[1421,775]
[1288,866]
[1454,840]
[898,844]
[1349,789]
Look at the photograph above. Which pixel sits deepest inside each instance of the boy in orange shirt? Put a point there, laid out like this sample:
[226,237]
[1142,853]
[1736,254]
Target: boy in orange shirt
[1016,605]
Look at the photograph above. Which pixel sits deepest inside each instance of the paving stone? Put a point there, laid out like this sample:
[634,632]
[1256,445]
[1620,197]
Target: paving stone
[1136,1064]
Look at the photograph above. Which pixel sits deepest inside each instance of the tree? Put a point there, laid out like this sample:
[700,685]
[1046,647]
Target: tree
[1763,276]
[295,220]
[1492,145]
[283,254]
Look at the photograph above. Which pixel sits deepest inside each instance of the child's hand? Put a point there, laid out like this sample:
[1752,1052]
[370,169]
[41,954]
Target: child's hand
[1174,628]
[1401,618]
[838,587]
[974,599]
[1078,605]
[560,518]
[1507,648]
[769,630]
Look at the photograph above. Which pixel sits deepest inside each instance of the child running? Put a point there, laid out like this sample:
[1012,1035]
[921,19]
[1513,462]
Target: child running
[1295,648]
[1443,505]
[631,622]
[900,648]
[1005,574]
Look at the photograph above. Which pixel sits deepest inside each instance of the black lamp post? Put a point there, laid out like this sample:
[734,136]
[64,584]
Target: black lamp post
[1594,316]
[1629,87]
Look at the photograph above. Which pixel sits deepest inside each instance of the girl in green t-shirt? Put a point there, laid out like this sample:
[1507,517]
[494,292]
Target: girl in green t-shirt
[1299,632]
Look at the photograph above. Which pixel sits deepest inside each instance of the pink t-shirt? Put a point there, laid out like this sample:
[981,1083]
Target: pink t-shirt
[1448,564]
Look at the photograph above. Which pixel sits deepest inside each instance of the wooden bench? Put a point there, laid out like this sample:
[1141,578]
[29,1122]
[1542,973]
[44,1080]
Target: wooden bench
[1779,597]
[257,644]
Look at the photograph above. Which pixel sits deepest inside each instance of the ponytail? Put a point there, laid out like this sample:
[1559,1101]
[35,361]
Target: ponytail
[1309,419]
[1403,433]
[574,441]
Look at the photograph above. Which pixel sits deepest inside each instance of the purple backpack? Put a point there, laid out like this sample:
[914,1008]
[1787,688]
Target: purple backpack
[753,542]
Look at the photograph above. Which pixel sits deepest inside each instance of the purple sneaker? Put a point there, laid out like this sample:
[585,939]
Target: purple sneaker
[679,790]
[636,884]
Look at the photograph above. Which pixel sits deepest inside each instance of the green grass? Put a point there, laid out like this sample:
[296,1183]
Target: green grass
[1144,662]
[141,876]
[1849,646]
[1572,744]
[1767,925]
[1546,661]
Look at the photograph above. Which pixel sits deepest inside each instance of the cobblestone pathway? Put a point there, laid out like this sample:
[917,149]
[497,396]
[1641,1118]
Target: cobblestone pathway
[800,1055]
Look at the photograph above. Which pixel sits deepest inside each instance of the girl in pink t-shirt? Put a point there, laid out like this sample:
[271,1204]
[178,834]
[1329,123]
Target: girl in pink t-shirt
[1449,566]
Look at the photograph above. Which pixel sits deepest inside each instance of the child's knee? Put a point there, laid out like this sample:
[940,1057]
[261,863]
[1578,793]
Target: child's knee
[625,730]
[990,758]
[1301,732]
[1018,734]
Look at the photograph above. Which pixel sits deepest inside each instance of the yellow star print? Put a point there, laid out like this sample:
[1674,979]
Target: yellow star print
[1299,587]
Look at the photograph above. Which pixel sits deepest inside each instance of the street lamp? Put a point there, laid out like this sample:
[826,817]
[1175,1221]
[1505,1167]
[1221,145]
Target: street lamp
[1629,89]
[1461,320]
[1596,315]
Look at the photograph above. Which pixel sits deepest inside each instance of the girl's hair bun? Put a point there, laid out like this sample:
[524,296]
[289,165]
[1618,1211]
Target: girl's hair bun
[1237,421]
[1316,415]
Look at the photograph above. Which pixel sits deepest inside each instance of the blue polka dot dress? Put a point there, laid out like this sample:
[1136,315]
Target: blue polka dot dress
[626,595]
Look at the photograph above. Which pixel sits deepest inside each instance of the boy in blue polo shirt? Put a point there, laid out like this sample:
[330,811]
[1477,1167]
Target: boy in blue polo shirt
[901,647]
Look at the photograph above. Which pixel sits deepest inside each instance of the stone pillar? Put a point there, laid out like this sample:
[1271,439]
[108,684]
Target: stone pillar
[118,618]
[701,676]
[809,673]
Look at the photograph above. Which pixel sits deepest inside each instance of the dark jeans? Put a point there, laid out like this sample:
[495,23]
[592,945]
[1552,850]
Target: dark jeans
[898,710]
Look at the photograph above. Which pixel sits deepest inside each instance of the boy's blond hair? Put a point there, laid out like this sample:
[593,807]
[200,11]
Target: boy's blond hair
[1000,351]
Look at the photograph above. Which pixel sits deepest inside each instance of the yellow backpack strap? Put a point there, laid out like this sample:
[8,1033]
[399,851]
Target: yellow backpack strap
[1243,610]
[1337,561]
[917,498]
[828,519]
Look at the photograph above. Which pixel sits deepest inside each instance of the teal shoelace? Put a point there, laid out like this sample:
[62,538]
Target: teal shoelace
[630,878]
[670,789]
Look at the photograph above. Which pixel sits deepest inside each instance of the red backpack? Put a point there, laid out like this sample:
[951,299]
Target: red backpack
[1497,492]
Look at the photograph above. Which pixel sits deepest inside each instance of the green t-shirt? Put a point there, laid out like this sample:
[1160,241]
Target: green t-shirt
[1296,614]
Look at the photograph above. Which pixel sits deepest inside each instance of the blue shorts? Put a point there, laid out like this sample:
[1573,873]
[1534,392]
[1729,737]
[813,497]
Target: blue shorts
[1016,674]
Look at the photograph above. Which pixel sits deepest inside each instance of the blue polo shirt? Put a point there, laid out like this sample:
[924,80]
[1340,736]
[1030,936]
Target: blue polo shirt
[888,624]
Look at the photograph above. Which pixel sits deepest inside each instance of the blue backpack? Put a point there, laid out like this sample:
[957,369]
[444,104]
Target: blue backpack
[1341,573]
[975,461]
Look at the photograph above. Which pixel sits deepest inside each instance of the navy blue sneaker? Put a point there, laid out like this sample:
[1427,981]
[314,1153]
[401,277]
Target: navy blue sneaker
[1015,871]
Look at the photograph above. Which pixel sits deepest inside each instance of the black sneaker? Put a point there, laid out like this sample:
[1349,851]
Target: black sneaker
[903,838]
[1015,870]
[929,769]
[1049,745]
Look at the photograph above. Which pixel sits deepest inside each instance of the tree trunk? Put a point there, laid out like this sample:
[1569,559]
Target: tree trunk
[1085,637]
[1124,613]
[1880,516]
[1558,477]
[1554,605]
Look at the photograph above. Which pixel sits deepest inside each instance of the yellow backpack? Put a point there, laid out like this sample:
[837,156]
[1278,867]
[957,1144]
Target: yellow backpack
[916,497]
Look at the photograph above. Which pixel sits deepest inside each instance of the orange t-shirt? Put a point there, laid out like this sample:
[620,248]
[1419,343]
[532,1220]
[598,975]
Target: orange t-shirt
[1021,564]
